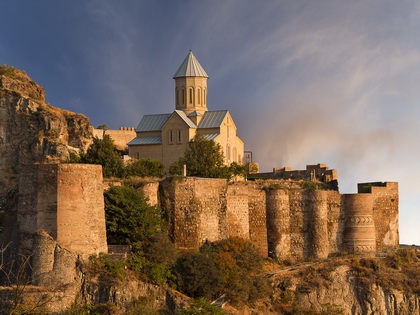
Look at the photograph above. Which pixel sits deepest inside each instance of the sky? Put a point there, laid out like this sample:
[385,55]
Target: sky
[307,82]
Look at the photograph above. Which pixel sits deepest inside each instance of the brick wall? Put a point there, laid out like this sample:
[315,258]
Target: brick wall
[385,213]
[66,201]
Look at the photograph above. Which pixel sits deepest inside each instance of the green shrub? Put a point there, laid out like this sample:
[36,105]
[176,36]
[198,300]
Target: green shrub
[201,306]
[198,276]
[8,71]
[128,217]
[144,168]
[109,270]
[310,185]
[103,152]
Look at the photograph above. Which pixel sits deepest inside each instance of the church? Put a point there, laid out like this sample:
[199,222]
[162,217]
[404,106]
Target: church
[165,137]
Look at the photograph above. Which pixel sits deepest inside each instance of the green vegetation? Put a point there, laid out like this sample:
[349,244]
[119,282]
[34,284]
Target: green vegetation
[198,276]
[204,158]
[103,152]
[144,168]
[230,266]
[311,186]
[201,306]
[128,217]
[9,71]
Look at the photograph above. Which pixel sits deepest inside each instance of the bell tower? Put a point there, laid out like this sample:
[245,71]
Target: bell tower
[191,87]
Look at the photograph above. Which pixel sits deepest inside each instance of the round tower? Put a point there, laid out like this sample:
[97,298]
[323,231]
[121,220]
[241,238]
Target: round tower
[318,227]
[278,223]
[191,87]
[359,229]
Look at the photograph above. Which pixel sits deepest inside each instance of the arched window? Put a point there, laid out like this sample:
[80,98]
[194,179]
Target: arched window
[176,97]
[183,96]
[205,97]
[171,137]
[235,154]
[178,136]
[228,153]
[199,96]
[191,95]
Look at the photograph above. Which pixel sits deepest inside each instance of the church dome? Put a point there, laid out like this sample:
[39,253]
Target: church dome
[190,67]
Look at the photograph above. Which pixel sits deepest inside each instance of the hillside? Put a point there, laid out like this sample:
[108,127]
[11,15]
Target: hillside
[32,131]
[340,285]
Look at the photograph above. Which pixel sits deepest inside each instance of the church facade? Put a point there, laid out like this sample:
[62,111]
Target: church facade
[165,137]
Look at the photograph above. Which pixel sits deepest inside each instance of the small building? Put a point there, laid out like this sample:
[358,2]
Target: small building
[165,137]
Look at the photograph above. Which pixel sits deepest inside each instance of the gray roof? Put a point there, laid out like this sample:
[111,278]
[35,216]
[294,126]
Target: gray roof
[146,140]
[186,119]
[152,122]
[190,67]
[212,119]
[195,113]
[211,136]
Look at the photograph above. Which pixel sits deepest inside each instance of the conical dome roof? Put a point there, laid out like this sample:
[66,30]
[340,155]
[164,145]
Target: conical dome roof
[190,67]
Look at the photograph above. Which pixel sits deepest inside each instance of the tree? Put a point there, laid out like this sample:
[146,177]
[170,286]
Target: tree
[129,218]
[204,158]
[198,276]
[144,168]
[103,152]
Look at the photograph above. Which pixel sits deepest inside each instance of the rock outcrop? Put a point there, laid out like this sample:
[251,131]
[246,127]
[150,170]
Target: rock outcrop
[389,285]
[32,131]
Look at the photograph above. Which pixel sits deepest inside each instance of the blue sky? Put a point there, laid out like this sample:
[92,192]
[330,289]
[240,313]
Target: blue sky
[307,82]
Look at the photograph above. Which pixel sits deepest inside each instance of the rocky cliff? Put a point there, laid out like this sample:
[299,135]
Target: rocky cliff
[32,131]
[351,285]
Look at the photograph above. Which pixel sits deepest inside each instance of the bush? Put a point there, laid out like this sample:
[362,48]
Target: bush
[202,307]
[103,152]
[109,270]
[145,168]
[128,217]
[239,262]
[198,276]
[160,249]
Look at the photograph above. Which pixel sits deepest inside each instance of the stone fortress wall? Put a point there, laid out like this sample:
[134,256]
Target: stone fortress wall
[283,220]
[66,202]
[121,137]
[60,215]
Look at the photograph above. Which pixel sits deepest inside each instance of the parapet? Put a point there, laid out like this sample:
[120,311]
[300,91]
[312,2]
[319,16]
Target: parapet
[318,172]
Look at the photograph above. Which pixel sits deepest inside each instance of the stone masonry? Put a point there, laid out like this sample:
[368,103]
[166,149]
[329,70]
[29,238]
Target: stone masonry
[285,222]
[66,201]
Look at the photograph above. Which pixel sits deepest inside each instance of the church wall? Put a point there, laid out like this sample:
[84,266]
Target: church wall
[173,149]
[147,151]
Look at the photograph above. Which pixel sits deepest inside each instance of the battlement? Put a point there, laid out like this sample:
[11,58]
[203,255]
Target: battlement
[318,172]
[121,137]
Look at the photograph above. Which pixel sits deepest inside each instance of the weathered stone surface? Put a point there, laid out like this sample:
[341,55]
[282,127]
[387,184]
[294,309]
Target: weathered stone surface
[282,219]
[345,295]
[66,201]
[32,131]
